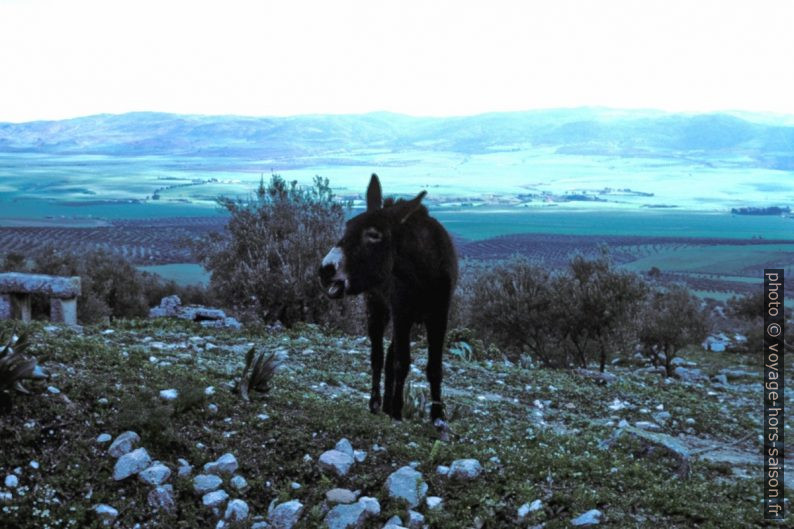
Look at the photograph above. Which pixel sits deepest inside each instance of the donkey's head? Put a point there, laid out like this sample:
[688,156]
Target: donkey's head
[363,257]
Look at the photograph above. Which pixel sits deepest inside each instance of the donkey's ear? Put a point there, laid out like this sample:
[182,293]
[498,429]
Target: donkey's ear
[374,194]
[409,208]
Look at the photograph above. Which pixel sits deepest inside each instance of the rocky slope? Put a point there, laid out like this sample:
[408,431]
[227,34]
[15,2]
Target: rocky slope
[529,447]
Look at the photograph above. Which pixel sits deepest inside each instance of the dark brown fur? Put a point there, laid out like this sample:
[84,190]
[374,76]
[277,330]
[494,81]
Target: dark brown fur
[404,262]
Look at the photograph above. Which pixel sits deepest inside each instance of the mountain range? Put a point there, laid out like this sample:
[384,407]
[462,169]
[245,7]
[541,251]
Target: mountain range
[756,141]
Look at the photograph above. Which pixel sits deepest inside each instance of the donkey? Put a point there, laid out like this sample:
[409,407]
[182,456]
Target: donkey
[404,262]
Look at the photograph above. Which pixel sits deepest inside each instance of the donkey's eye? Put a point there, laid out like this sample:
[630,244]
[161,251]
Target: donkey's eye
[372,235]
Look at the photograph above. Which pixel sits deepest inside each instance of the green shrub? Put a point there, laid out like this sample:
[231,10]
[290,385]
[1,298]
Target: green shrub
[671,319]
[266,262]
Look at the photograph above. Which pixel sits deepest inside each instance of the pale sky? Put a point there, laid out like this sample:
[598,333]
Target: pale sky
[66,58]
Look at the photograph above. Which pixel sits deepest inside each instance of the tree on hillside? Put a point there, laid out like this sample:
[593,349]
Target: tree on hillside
[671,320]
[600,303]
[267,259]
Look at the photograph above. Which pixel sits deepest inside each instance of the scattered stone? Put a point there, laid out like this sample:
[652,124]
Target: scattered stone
[721,379]
[106,514]
[155,475]
[598,376]
[285,515]
[359,455]
[6,497]
[103,438]
[215,498]
[295,485]
[238,483]
[226,464]
[11,481]
[53,390]
[212,407]
[131,463]
[34,465]
[162,499]
[204,483]
[263,416]
[336,461]
[124,444]
[345,447]
[434,502]
[527,508]
[184,469]
[350,516]
[618,405]
[689,374]
[442,470]
[662,416]
[236,511]
[169,394]
[406,484]
[415,519]
[465,469]
[344,496]
[623,423]
[394,520]
[209,391]
[669,443]
[371,505]
[591,517]
[647,425]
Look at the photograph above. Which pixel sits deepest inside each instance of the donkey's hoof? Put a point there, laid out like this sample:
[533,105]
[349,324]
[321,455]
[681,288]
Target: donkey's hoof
[374,405]
[437,411]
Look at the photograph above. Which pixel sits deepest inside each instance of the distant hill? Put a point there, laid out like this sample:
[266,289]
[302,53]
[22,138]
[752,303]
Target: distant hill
[586,131]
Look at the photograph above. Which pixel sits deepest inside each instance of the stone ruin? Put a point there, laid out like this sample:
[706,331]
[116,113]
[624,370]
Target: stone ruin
[171,307]
[16,289]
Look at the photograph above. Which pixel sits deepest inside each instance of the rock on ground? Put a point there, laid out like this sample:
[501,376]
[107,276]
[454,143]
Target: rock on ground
[106,514]
[236,511]
[131,463]
[226,464]
[591,517]
[204,483]
[215,498]
[335,496]
[406,484]
[337,462]
[124,444]
[155,474]
[345,447]
[465,469]
[162,499]
[350,516]
[285,515]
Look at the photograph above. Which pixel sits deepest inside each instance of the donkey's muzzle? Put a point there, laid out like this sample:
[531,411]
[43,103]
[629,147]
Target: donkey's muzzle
[333,286]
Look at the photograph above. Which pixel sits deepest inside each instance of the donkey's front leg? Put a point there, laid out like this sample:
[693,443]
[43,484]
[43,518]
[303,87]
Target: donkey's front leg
[402,364]
[377,318]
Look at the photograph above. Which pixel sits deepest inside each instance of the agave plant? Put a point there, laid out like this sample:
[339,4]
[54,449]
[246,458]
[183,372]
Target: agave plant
[15,365]
[257,373]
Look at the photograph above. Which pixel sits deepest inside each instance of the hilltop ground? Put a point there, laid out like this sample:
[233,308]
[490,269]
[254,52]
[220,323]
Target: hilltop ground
[540,434]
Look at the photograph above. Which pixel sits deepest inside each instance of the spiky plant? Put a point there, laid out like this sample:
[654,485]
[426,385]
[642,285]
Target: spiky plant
[415,401]
[15,365]
[257,373]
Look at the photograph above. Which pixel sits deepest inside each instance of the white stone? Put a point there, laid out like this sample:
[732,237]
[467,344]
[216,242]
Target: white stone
[106,514]
[124,444]
[371,505]
[131,463]
[215,498]
[103,438]
[11,481]
[209,391]
[415,519]
[406,484]
[169,394]
[434,502]
[345,447]
[238,483]
[285,515]
[224,465]
[204,483]
[591,517]
[155,475]
[336,462]
[162,499]
[359,455]
[442,470]
[236,511]
[465,469]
